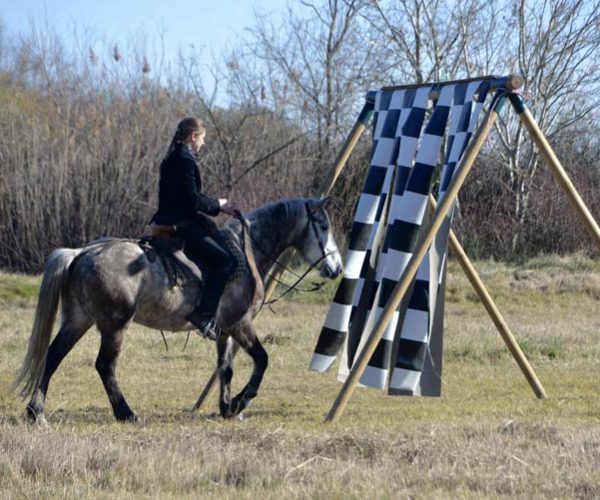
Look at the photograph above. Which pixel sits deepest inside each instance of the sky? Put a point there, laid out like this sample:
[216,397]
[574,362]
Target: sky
[206,25]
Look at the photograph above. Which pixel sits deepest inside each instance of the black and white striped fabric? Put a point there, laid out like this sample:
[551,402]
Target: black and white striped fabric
[416,330]
[408,143]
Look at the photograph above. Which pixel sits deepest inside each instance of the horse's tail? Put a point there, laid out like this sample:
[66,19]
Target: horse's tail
[259,289]
[55,275]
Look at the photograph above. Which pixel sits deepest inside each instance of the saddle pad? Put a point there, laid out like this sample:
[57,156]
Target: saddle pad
[231,237]
[178,266]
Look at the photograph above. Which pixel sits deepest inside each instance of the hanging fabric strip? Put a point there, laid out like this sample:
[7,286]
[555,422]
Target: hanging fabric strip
[404,119]
[415,336]
[408,144]
[364,227]
[404,221]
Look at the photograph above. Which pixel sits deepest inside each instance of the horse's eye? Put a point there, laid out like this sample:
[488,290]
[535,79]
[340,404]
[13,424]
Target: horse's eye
[324,227]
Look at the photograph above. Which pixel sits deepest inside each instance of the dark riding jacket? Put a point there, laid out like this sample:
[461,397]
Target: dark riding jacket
[180,197]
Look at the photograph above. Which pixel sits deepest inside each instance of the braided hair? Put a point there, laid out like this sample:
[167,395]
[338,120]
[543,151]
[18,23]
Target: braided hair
[185,129]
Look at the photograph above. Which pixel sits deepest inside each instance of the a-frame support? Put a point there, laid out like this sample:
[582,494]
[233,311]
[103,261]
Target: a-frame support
[490,307]
[360,125]
[442,210]
[555,166]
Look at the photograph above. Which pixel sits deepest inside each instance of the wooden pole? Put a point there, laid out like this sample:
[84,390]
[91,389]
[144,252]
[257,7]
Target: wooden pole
[555,166]
[490,306]
[510,82]
[413,265]
[211,385]
[362,122]
[208,390]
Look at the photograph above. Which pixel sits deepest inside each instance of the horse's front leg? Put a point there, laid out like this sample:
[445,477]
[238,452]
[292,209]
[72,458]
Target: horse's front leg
[246,337]
[225,366]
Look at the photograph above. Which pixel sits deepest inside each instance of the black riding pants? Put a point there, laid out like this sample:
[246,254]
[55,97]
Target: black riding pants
[215,260]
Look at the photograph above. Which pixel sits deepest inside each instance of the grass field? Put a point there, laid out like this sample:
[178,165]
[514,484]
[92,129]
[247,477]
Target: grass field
[488,436]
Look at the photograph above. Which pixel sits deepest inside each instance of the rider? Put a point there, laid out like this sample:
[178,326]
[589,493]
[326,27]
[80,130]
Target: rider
[182,204]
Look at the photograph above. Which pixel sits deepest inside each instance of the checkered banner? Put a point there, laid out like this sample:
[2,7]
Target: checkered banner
[412,135]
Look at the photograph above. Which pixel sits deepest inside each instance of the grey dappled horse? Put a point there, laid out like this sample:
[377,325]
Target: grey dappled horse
[111,283]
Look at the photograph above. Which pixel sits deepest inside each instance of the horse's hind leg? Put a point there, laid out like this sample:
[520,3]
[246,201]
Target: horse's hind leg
[225,353]
[246,337]
[106,364]
[74,323]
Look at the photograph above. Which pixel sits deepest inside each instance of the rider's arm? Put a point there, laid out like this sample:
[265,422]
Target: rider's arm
[193,198]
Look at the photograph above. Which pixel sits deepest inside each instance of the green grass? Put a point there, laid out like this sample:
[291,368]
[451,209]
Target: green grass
[487,436]
[18,290]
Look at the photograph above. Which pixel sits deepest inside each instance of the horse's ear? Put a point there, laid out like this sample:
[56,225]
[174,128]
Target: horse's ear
[321,203]
[281,211]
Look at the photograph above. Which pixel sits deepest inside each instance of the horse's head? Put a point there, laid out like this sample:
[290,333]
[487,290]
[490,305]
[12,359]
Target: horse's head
[318,243]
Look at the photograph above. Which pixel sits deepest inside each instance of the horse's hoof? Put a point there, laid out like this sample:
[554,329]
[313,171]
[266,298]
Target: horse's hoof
[231,416]
[40,421]
[131,418]
[225,410]
[35,417]
[238,405]
[227,415]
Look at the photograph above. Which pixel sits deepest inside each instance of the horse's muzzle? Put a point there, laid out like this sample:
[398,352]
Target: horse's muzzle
[330,271]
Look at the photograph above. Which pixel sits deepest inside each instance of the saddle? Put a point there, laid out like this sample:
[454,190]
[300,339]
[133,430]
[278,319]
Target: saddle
[182,270]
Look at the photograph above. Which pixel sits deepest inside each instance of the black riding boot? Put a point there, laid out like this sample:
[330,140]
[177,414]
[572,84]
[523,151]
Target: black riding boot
[205,323]
[217,267]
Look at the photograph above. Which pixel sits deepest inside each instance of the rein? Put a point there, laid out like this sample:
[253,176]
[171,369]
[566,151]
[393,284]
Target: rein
[316,285]
[313,224]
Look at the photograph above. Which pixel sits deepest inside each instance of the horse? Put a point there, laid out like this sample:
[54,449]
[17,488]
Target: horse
[112,282]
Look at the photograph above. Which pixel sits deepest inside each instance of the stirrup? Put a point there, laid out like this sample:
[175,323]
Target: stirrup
[210,330]
[206,326]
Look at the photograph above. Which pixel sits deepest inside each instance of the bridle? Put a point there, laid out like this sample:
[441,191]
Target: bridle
[312,222]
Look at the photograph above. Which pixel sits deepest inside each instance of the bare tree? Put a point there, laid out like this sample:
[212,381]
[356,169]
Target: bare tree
[246,140]
[324,59]
[425,38]
[80,142]
[555,46]
[83,129]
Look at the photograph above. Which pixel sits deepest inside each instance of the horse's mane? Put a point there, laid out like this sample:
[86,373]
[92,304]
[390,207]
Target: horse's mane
[291,209]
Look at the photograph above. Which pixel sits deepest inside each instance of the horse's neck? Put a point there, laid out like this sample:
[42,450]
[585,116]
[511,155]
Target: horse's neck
[272,234]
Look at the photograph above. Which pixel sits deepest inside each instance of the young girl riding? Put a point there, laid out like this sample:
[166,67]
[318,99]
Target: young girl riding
[181,203]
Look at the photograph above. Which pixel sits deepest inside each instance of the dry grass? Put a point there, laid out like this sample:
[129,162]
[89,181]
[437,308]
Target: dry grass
[486,437]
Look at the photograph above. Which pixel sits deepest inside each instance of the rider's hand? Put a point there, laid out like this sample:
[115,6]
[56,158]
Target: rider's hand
[230,208]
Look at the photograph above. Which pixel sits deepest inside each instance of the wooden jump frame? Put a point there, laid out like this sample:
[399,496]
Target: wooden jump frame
[511,84]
